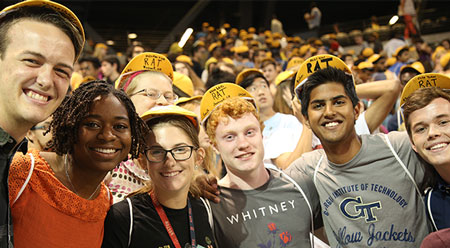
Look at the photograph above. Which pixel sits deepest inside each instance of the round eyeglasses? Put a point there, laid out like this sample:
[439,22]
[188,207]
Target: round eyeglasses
[155,95]
[158,154]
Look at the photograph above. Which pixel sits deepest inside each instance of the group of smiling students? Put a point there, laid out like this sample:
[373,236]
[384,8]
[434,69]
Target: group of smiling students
[365,190]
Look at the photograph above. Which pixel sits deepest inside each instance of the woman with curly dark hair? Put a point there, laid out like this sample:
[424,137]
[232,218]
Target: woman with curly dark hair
[58,199]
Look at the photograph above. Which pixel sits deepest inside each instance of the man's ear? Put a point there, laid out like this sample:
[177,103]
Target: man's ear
[307,122]
[358,109]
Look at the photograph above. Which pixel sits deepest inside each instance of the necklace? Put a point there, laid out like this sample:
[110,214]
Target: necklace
[70,181]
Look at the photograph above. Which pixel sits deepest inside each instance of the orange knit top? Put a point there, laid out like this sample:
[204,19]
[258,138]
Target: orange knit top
[48,214]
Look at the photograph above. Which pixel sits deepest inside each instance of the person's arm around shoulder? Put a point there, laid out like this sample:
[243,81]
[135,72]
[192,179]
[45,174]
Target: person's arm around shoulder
[385,93]
[208,186]
[117,226]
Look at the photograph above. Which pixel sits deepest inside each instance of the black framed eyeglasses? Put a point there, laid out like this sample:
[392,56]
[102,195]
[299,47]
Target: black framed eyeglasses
[179,153]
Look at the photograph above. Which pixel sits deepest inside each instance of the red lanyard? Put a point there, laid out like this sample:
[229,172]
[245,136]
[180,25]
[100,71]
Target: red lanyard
[168,226]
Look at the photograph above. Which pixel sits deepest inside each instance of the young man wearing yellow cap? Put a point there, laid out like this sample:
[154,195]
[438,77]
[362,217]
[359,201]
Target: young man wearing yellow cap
[39,43]
[402,55]
[426,110]
[258,206]
[368,185]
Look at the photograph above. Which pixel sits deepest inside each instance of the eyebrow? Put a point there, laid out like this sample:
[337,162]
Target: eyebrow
[434,118]
[331,99]
[43,57]
[120,117]
[441,116]
[174,146]
[181,144]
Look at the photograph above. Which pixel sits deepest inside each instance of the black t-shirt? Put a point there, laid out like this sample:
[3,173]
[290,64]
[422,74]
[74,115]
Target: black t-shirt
[148,230]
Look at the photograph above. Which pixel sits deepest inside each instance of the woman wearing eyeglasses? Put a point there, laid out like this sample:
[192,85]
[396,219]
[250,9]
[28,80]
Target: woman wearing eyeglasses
[173,153]
[147,80]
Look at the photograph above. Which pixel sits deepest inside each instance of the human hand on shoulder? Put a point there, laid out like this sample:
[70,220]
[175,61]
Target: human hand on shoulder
[208,186]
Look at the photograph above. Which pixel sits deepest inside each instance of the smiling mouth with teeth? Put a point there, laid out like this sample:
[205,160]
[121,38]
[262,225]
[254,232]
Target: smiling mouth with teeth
[437,146]
[246,155]
[170,174]
[37,96]
[331,124]
[105,150]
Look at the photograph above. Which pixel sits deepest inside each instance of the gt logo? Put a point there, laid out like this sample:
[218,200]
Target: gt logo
[359,210]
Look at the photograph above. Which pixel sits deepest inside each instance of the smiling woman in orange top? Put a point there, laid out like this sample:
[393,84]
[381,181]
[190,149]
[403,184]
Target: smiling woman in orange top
[58,199]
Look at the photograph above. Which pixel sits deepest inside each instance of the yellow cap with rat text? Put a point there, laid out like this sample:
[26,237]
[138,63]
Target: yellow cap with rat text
[147,61]
[219,93]
[314,64]
[426,80]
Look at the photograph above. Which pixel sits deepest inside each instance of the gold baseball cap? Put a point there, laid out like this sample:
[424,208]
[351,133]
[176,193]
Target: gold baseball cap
[400,49]
[185,59]
[445,59]
[213,46]
[316,63]
[365,65]
[241,49]
[374,58]
[182,100]
[245,73]
[159,111]
[416,66]
[147,61]
[391,61]
[219,93]
[367,52]
[296,61]
[426,80]
[283,76]
[63,10]
[184,83]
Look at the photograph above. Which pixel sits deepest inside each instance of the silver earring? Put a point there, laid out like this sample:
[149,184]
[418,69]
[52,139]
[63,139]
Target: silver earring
[196,167]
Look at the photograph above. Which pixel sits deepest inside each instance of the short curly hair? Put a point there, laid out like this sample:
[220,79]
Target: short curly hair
[69,115]
[235,108]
